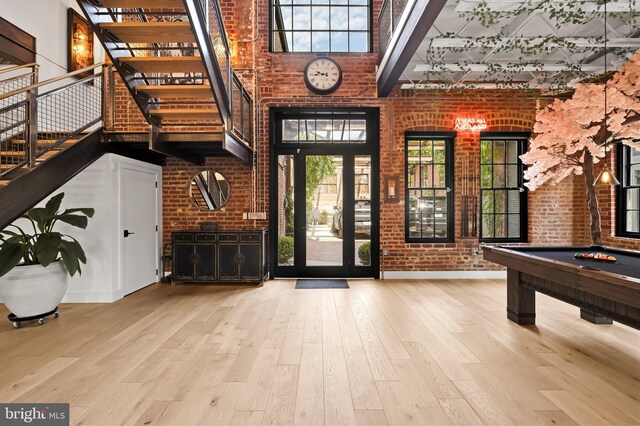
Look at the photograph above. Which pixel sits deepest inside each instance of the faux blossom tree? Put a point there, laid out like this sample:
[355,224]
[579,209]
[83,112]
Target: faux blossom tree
[571,134]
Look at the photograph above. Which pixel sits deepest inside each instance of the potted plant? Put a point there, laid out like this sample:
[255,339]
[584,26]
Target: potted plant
[34,267]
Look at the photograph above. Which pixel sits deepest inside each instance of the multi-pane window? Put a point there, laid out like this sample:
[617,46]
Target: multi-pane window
[428,195]
[502,195]
[320,26]
[324,131]
[629,196]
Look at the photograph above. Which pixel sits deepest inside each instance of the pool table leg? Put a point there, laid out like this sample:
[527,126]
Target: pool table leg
[521,300]
[594,318]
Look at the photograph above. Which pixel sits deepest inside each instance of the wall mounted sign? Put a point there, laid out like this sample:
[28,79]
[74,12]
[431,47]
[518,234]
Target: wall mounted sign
[470,124]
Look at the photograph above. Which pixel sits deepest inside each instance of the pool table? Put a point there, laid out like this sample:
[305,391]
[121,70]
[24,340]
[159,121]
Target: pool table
[604,292]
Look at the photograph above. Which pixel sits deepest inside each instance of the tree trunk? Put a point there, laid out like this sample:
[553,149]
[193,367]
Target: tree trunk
[592,200]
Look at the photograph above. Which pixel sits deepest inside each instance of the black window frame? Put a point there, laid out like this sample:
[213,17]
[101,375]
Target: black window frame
[369,31]
[523,139]
[623,155]
[449,138]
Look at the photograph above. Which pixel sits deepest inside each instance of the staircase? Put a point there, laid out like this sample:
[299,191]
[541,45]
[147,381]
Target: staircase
[173,57]
[49,132]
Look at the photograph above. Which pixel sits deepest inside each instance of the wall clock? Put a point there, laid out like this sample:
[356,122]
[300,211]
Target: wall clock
[323,75]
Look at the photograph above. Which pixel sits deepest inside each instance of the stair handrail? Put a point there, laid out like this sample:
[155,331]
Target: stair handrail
[51,80]
[30,125]
[196,11]
[17,67]
[240,127]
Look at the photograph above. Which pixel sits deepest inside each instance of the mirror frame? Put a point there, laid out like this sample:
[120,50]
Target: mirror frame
[218,177]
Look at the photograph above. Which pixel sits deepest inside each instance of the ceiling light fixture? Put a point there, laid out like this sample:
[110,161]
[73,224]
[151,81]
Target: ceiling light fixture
[606,177]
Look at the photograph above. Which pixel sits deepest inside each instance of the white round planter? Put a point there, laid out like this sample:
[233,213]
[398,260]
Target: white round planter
[33,290]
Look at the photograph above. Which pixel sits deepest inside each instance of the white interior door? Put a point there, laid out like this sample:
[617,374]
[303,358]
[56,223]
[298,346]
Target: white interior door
[139,228]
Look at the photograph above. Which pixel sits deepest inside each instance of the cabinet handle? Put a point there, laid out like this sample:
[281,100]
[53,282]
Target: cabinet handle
[238,259]
[195,258]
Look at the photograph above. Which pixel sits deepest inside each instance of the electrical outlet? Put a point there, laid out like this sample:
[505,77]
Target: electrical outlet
[385,252]
[245,216]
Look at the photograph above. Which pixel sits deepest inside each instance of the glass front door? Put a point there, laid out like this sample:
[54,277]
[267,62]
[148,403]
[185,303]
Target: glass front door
[325,218]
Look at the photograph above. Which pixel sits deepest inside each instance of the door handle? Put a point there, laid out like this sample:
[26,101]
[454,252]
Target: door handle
[127,233]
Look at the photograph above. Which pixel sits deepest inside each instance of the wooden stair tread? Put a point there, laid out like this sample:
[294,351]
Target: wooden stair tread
[165,64]
[23,154]
[145,4]
[185,113]
[46,142]
[150,32]
[4,183]
[189,91]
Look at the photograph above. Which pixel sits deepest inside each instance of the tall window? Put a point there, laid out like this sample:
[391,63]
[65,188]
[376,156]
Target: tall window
[629,192]
[503,205]
[429,183]
[320,26]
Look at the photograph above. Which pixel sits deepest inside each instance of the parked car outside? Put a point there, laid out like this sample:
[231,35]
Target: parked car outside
[362,209]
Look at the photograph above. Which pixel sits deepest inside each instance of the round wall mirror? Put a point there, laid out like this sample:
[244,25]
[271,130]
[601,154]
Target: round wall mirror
[209,190]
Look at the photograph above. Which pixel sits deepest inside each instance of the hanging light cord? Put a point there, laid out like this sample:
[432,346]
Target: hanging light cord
[606,139]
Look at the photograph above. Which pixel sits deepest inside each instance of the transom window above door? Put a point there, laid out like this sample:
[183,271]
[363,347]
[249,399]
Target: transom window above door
[324,130]
[320,26]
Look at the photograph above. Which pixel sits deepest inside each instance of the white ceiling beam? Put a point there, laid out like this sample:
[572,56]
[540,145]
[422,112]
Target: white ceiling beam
[512,5]
[454,67]
[453,42]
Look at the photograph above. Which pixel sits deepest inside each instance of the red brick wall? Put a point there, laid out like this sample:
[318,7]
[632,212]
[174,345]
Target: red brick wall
[557,214]
[179,213]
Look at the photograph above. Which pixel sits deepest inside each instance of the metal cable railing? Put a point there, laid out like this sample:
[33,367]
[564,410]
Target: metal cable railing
[388,20]
[51,113]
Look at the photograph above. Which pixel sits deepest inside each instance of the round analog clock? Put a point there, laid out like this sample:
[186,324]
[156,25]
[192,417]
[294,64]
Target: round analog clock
[323,75]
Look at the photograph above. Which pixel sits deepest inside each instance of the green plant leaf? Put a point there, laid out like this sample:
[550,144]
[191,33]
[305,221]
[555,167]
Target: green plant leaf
[10,255]
[47,248]
[73,220]
[41,217]
[70,262]
[74,248]
[54,203]
[87,212]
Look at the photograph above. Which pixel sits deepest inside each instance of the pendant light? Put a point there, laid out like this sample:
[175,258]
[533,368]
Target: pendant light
[606,177]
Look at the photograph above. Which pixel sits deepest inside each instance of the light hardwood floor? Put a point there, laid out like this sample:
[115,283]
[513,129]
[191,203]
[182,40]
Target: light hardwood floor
[382,352]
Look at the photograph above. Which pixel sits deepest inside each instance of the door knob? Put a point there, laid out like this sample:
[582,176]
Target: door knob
[127,233]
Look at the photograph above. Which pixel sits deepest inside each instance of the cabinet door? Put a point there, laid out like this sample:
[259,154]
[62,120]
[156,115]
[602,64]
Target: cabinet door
[183,268]
[250,266]
[227,265]
[206,266]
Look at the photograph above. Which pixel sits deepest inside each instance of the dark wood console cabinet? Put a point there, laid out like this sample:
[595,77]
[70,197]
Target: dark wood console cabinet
[221,256]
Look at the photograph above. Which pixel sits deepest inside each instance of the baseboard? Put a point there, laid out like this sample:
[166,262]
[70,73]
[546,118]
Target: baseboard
[445,275]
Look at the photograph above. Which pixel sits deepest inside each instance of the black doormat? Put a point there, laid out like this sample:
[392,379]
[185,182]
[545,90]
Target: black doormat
[302,284]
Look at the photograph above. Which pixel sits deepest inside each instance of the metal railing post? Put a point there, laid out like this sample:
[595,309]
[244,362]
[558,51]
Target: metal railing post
[112,94]
[35,75]
[32,126]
